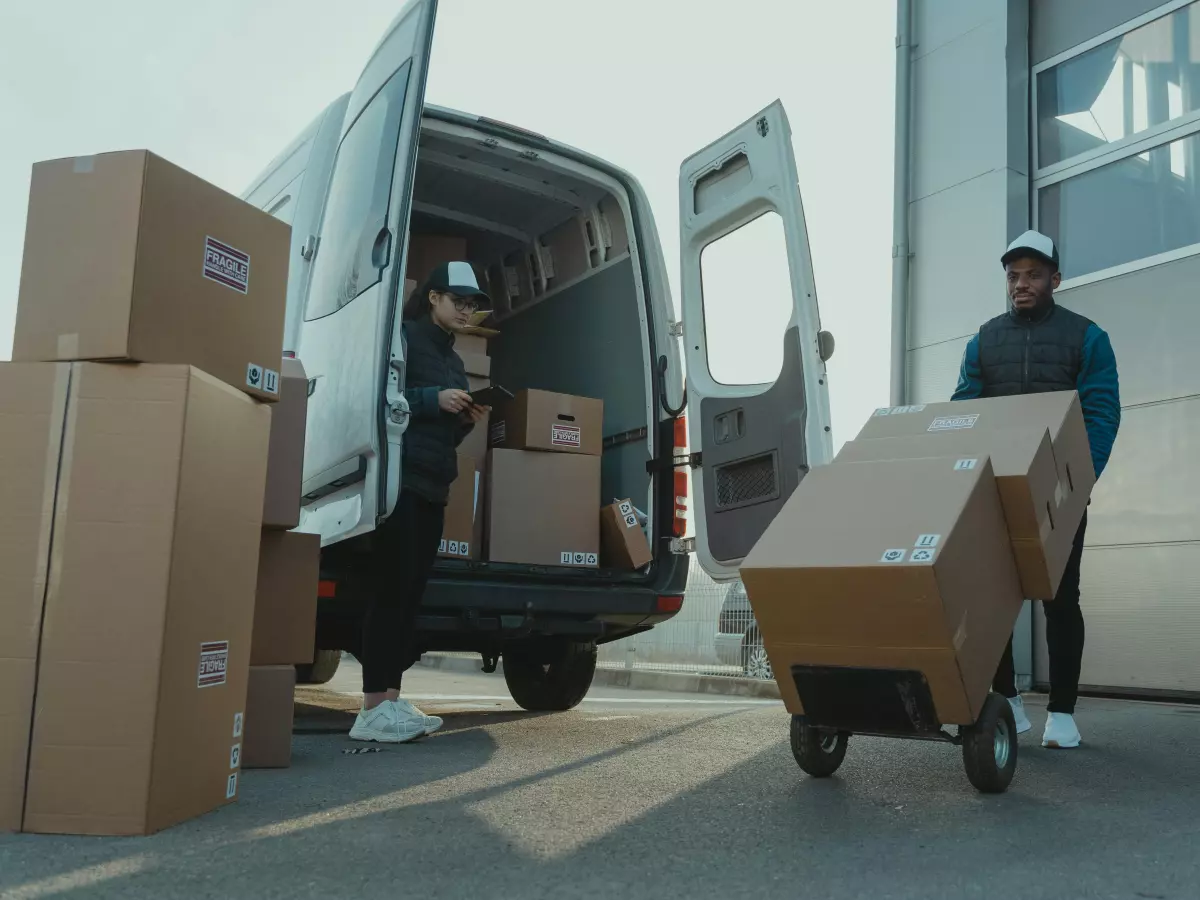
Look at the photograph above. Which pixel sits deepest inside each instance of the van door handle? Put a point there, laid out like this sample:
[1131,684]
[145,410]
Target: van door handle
[381,250]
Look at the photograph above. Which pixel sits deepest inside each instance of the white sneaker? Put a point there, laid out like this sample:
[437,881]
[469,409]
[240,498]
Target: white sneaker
[430,724]
[1061,732]
[386,725]
[1019,717]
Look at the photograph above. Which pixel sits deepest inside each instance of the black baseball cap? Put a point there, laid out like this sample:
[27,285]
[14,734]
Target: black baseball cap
[458,278]
[1032,243]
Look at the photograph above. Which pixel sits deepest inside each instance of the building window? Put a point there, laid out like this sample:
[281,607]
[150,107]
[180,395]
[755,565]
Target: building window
[1117,144]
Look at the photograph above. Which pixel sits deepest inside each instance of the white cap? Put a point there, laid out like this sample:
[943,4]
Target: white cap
[1031,243]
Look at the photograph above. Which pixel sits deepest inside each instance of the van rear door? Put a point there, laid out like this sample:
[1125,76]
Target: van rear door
[758,407]
[350,340]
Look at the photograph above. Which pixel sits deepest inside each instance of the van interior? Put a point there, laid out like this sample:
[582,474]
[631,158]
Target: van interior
[553,251]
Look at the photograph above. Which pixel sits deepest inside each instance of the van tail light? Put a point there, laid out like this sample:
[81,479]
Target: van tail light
[680,483]
[670,604]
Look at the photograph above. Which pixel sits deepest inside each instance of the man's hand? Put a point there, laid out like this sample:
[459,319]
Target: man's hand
[454,401]
[475,413]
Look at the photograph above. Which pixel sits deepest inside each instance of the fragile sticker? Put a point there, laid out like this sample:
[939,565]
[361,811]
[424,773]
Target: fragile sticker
[214,664]
[928,540]
[237,725]
[235,756]
[270,381]
[953,423]
[922,554]
[226,265]
[566,436]
[464,548]
[254,377]
[631,521]
[231,787]
[965,465]
[893,556]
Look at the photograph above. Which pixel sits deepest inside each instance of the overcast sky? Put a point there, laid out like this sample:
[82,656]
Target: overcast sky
[220,87]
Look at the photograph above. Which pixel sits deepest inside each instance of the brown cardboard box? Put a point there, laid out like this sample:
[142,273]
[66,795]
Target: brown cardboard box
[475,444]
[475,363]
[900,564]
[285,461]
[458,533]
[1026,478]
[623,544]
[977,423]
[471,343]
[541,508]
[425,251]
[162,267]
[149,605]
[476,382]
[33,400]
[270,706]
[285,604]
[542,420]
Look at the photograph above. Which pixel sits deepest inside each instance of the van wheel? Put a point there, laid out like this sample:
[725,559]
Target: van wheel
[550,677]
[321,670]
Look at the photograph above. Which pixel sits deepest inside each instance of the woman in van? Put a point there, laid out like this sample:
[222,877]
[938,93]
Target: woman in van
[406,545]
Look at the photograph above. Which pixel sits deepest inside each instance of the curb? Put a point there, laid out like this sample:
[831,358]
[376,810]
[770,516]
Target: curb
[639,679]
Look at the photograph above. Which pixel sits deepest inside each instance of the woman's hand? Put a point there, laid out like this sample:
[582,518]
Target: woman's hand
[474,413]
[454,401]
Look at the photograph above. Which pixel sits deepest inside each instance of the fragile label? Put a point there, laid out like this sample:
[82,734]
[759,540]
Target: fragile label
[235,756]
[254,377]
[922,554]
[270,381]
[893,556]
[226,265]
[927,540]
[565,436]
[899,410]
[237,725]
[965,465]
[231,787]
[496,433]
[214,664]
[953,423]
[577,558]
[625,508]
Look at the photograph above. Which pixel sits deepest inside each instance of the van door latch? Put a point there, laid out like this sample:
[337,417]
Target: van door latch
[683,546]
[675,329]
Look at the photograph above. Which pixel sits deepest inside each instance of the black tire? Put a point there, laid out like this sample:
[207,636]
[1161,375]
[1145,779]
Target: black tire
[755,663]
[321,670]
[819,753]
[989,747]
[550,677]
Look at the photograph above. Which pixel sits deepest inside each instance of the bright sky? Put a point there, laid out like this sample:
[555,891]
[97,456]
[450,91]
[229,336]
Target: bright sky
[220,87]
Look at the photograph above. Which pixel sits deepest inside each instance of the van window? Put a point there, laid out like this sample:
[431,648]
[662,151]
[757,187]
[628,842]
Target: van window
[357,205]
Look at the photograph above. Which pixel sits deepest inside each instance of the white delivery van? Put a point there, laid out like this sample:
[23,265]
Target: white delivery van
[583,307]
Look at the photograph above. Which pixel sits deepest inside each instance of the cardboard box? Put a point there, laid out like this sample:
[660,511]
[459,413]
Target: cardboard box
[541,508]
[475,363]
[152,564]
[458,533]
[162,267]
[426,251]
[270,707]
[476,382]
[1026,478]
[623,543]
[542,420]
[33,400]
[285,460]
[989,427]
[475,444]
[471,343]
[285,604]
[876,569]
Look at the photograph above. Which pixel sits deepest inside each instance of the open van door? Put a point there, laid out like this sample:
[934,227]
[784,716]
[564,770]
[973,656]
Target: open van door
[758,407]
[350,340]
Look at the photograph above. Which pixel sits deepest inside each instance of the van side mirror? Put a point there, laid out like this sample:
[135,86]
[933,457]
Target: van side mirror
[825,345]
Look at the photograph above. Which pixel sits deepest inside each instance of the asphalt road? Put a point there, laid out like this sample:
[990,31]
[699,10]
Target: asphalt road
[645,796]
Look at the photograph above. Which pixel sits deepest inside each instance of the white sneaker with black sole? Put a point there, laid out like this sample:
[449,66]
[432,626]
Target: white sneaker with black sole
[385,724]
[1061,732]
[430,724]
[1019,717]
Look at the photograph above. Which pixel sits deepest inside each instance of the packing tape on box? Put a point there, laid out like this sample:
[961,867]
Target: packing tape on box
[62,493]
[68,346]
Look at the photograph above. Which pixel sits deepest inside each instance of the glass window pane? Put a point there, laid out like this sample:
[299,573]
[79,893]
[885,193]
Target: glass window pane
[747,302]
[1128,210]
[1134,82]
[358,203]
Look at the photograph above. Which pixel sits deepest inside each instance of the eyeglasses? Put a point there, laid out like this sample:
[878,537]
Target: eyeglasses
[464,304]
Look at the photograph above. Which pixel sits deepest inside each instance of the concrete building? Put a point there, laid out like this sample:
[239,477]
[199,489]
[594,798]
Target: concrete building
[1080,118]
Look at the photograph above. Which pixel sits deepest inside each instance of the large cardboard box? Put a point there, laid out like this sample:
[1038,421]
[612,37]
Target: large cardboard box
[876,576]
[458,532]
[149,603]
[475,444]
[33,400]
[270,708]
[285,604]
[623,543]
[995,427]
[541,508]
[128,257]
[543,420]
[285,460]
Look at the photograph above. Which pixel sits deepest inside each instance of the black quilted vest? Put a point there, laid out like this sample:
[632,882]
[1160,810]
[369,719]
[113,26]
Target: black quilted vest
[430,445]
[1030,355]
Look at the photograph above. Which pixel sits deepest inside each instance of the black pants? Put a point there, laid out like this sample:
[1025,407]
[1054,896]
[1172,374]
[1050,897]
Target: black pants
[404,550]
[1064,639]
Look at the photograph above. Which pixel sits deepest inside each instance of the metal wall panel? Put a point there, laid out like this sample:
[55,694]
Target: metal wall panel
[1153,318]
[933,371]
[1141,606]
[938,22]
[1058,25]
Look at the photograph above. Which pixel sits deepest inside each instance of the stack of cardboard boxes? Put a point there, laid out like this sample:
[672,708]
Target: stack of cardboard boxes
[914,551]
[137,419]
